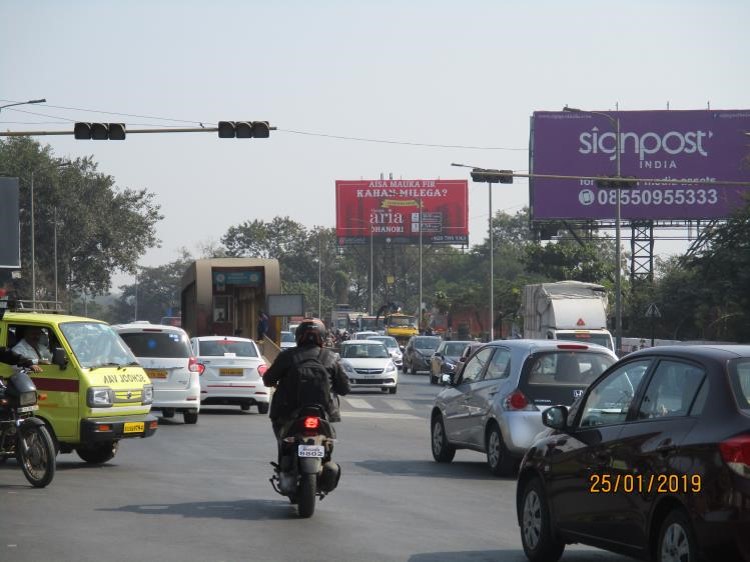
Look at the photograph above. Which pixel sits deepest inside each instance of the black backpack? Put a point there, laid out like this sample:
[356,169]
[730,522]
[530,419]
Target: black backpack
[313,382]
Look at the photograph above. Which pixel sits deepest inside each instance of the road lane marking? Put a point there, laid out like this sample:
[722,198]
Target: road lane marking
[359,403]
[378,415]
[400,404]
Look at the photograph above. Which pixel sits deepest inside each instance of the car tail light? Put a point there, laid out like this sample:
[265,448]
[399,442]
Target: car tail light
[312,422]
[517,400]
[736,453]
[262,368]
[195,367]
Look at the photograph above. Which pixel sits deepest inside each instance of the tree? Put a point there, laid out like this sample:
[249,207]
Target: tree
[100,228]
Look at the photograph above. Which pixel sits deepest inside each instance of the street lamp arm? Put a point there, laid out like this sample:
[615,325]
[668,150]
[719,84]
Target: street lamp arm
[22,103]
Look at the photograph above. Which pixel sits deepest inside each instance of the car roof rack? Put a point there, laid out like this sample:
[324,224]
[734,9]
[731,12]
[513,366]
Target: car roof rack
[47,307]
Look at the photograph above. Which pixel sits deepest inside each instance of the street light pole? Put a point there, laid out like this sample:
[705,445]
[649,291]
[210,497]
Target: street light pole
[492,268]
[615,122]
[372,235]
[419,307]
[320,274]
[33,244]
[54,218]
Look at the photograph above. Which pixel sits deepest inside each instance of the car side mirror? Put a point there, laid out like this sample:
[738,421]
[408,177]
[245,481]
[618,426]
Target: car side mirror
[555,417]
[60,358]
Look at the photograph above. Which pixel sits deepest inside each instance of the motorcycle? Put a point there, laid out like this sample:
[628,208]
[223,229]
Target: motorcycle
[21,434]
[305,469]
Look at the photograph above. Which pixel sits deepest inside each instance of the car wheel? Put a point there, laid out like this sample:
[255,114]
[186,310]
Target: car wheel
[190,417]
[98,453]
[539,540]
[676,539]
[499,460]
[245,407]
[392,390]
[167,413]
[262,408]
[442,451]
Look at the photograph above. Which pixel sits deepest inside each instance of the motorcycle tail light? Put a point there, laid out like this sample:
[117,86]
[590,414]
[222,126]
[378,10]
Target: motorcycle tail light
[312,422]
[736,453]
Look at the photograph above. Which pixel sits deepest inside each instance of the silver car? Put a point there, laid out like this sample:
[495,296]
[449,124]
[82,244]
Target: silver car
[495,405]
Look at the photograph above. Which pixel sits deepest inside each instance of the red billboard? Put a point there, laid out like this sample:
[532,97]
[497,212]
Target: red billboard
[389,211]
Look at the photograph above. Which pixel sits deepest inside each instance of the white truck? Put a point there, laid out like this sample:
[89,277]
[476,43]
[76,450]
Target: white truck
[566,310]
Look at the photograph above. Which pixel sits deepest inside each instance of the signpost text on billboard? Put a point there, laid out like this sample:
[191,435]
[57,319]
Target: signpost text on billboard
[389,211]
[709,146]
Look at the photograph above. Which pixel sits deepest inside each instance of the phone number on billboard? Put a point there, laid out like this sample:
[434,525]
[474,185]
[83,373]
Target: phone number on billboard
[649,197]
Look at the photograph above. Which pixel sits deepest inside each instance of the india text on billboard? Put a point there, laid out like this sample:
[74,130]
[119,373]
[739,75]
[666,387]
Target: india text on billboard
[705,145]
[389,211]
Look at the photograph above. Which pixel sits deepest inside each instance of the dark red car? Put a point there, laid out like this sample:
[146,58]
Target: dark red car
[653,461]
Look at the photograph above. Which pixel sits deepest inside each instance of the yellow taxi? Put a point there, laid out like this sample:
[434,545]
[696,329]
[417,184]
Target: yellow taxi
[92,391]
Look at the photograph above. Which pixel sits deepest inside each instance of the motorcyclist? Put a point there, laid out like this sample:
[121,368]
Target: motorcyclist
[309,337]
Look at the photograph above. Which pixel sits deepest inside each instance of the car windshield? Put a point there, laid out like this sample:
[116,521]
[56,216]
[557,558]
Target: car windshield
[96,345]
[219,348]
[172,345]
[428,343]
[364,351]
[739,373]
[454,349]
[388,341]
[287,337]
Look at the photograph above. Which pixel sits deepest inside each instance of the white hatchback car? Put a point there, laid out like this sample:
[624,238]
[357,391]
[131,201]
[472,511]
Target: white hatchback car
[368,364]
[164,352]
[232,372]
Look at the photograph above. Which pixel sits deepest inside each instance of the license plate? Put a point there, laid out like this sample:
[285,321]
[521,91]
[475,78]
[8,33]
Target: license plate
[315,451]
[134,427]
[231,372]
[27,408]
[154,374]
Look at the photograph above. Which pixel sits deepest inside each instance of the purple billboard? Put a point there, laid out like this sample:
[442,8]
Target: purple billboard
[708,146]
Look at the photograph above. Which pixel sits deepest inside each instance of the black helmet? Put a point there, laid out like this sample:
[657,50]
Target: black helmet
[310,331]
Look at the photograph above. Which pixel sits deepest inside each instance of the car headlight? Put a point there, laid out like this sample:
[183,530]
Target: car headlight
[449,365]
[390,367]
[100,397]
[148,394]
[348,368]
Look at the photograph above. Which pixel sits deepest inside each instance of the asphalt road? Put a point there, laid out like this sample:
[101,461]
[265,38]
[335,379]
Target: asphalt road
[201,493]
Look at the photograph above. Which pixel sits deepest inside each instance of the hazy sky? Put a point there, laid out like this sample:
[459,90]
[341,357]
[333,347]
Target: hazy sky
[466,73]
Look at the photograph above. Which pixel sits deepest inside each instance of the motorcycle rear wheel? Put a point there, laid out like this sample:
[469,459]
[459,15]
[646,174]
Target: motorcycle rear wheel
[306,495]
[36,455]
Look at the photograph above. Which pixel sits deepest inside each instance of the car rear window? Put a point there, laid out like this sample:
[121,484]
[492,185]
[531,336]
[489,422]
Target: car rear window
[158,344]
[454,349]
[557,377]
[218,348]
[739,374]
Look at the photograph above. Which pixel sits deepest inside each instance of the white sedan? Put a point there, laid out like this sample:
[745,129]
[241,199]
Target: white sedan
[233,371]
[368,364]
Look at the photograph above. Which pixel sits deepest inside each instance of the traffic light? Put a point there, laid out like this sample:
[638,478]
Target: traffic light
[491,176]
[99,131]
[244,129]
